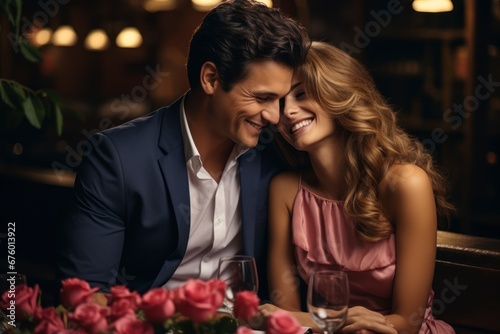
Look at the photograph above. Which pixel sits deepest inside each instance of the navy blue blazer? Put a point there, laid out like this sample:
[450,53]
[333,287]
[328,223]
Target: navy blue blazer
[130,223]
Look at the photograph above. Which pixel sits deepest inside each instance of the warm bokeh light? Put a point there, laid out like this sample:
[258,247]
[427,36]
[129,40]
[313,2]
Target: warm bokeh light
[129,37]
[432,6]
[97,40]
[206,5]
[43,37]
[64,36]
[159,5]
[268,3]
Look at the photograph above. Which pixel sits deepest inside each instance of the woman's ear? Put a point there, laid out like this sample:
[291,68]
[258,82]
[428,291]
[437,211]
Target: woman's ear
[209,77]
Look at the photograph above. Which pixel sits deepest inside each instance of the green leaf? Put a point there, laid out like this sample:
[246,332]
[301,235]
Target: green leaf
[11,10]
[61,309]
[51,102]
[40,108]
[29,51]
[18,90]
[225,325]
[30,112]
[54,97]
[184,327]
[6,94]
[19,6]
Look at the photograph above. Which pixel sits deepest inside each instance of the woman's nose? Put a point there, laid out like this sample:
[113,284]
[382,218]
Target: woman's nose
[289,107]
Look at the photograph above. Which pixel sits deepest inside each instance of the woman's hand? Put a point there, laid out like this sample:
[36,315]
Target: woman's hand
[362,320]
[267,309]
[303,318]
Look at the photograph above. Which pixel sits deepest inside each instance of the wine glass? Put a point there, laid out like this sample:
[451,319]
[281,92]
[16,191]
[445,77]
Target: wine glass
[240,274]
[328,299]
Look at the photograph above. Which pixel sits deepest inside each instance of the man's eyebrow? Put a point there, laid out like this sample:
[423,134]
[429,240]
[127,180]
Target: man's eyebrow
[266,93]
[274,94]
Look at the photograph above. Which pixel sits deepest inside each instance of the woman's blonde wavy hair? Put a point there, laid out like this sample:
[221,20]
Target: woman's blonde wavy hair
[373,140]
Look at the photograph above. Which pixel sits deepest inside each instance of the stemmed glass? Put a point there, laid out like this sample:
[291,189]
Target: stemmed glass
[240,274]
[328,299]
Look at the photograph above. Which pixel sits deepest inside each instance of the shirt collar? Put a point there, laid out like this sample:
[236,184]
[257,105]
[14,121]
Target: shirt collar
[190,149]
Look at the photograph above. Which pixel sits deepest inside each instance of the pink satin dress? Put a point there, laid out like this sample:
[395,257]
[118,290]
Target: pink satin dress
[324,237]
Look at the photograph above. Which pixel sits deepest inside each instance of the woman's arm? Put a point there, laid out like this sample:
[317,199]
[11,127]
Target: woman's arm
[407,201]
[408,197]
[282,269]
[283,282]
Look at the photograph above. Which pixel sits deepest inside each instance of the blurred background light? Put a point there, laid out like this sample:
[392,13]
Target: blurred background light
[43,36]
[129,37]
[432,6]
[97,40]
[159,5]
[64,36]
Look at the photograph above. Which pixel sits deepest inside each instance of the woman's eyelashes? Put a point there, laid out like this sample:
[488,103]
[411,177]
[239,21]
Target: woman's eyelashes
[299,94]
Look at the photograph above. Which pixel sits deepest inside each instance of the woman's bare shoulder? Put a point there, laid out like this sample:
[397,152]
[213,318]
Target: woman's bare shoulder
[402,178]
[405,185]
[285,185]
[286,178]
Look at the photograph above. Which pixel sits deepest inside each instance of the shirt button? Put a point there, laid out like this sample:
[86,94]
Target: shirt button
[217,222]
[206,259]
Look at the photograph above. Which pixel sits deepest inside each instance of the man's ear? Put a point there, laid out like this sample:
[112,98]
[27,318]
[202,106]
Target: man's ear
[209,77]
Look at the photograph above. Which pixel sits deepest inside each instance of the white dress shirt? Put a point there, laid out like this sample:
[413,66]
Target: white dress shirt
[215,226]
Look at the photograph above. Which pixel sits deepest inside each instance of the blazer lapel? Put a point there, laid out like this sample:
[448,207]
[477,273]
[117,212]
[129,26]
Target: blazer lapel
[249,167]
[173,168]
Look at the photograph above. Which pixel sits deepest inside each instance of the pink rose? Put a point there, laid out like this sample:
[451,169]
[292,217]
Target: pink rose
[220,287]
[132,325]
[75,291]
[25,298]
[282,322]
[157,305]
[244,330]
[246,305]
[49,321]
[90,317]
[199,300]
[122,307]
[120,292]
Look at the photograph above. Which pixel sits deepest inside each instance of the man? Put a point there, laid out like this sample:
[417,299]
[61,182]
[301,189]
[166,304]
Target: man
[162,198]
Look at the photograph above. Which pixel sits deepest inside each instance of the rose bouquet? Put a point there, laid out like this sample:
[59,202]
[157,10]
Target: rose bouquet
[191,308]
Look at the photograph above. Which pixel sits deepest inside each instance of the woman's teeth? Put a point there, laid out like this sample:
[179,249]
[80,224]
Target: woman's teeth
[301,124]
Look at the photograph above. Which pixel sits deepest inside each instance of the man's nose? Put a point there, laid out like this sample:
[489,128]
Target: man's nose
[272,113]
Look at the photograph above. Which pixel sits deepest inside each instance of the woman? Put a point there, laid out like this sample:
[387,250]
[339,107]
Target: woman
[365,197]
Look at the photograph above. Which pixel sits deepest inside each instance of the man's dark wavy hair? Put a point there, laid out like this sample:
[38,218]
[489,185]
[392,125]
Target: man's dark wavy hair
[238,32]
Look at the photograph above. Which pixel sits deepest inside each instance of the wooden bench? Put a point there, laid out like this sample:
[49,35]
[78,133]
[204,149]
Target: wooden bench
[467,283]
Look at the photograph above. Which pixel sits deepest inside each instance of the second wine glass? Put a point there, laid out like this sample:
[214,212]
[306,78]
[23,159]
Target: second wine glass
[240,274]
[328,299]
